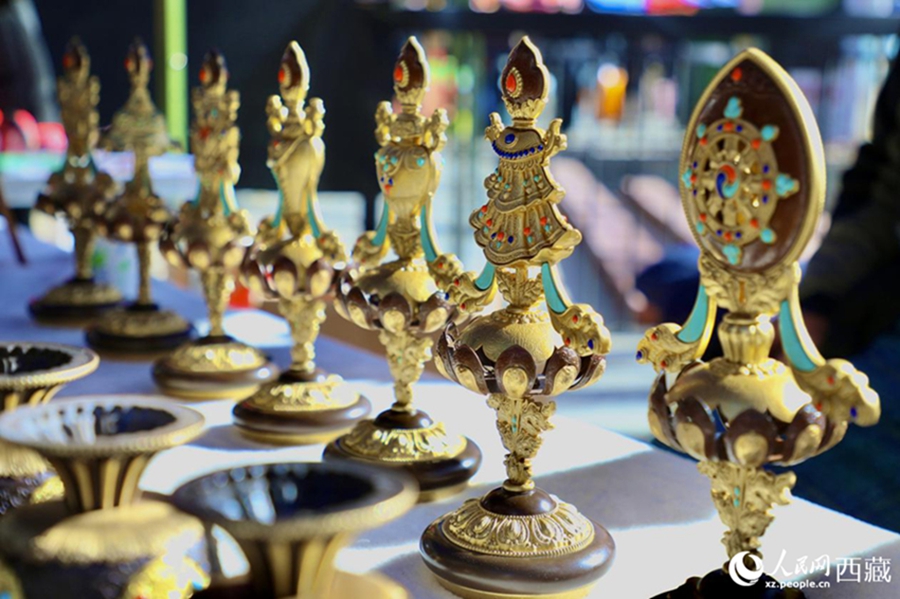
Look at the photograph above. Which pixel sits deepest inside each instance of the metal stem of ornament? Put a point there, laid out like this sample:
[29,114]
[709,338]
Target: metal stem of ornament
[217,289]
[144,297]
[84,251]
[520,422]
[744,497]
[305,319]
[407,354]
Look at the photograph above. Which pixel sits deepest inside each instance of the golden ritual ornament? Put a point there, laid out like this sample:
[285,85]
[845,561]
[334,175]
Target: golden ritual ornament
[211,235]
[293,260]
[138,216]
[401,298]
[80,192]
[518,540]
[752,186]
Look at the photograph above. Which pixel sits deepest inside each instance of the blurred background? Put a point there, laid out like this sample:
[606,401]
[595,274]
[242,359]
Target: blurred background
[625,77]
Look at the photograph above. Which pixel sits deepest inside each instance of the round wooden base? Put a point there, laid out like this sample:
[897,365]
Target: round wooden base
[74,303]
[215,380]
[437,478]
[719,584]
[474,574]
[258,421]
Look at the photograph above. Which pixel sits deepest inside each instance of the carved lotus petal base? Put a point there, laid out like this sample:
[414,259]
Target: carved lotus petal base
[213,368]
[289,411]
[139,329]
[76,300]
[442,463]
[516,545]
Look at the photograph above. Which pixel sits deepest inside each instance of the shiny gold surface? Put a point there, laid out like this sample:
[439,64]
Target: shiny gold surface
[558,532]
[302,396]
[398,446]
[129,323]
[773,413]
[536,347]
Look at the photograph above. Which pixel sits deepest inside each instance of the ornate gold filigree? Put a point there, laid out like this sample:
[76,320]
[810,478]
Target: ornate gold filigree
[69,294]
[662,348]
[744,497]
[520,422]
[367,440]
[841,392]
[220,357]
[582,329]
[131,323]
[560,531]
[305,318]
[298,396]
[170,577]
[406,354]
[748,293]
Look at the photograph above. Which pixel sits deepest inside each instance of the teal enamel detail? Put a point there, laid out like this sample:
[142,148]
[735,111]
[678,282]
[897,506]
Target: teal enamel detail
[693,329]
[381,232]
[486,278]
[733,253]
[686,178]
[701,228]
[425,235]
[701,130]
[784,184]
[420,162]
[554,299]
[769,132]
[767,235]
[312,217]
[733,109]
[224,199]
[790,340]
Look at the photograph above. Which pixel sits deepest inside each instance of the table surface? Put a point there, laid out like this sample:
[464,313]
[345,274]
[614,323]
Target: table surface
[655,503]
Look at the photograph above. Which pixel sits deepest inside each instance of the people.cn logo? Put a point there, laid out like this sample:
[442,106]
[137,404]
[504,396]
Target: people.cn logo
[740,573]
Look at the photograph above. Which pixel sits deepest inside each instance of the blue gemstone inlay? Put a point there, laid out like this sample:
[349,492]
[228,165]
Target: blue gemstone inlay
[765,199]
[590,344]
[639,355]
[853,412]
[765,168]
[509,138]
[511,239]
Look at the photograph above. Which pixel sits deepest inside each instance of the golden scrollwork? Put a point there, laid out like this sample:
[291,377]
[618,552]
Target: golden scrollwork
[749,293]
[521,421]
[560,531]
[219,357]
[841,392]
[167,576]
[744,497]
[425,444]
[305,318]
[406,354]
[298,397]
[142,324]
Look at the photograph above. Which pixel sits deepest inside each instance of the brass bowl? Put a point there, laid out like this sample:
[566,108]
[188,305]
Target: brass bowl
[31,374]
[291,519]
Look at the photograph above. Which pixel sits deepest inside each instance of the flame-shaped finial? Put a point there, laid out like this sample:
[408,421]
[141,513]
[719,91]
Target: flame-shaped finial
[524,81]
[293,76]
[411,74]
[214,71]
[138,63]
[75,61]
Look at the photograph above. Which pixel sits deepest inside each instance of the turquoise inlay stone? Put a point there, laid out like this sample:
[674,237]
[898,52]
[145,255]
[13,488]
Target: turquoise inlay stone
[547,228]
[420,162]
[733,109]
[394,160]
[733,253]
[790,340]
[5,595]
[737,490]
[701,130]
[529,239]
[486,277]
[686,178]
[515,423]
[425,235]
[506,186]
[554,299]
[499,177]
[485,229]
[537,178]
[313,221]
[785,184]
[769,132]
[737,502]
[701,228]
[767,235]
[693,329]
[386,167]
[214,113]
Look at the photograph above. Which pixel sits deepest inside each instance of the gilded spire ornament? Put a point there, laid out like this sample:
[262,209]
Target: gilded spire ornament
[293,260]
[210,235]
[752,186]
[401,298]
[521,356]
[78,191]
[138,216]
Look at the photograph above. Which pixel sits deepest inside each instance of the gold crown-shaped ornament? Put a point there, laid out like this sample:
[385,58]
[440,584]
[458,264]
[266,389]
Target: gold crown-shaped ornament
[138,216]
[537,347]
[752,186]
[402,298]
[294,260]
[80,192]
[211,234]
